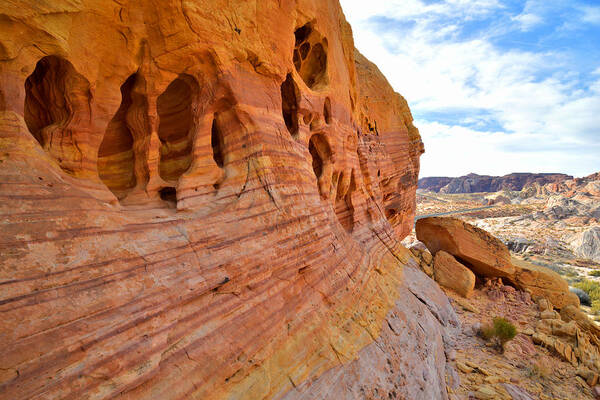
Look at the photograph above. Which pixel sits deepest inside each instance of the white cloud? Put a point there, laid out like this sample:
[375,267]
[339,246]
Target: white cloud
[533,96]
[459,151]
[591,15]
[528,20]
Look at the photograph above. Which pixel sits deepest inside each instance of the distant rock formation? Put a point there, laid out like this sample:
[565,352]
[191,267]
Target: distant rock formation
[474,183]
[588,186]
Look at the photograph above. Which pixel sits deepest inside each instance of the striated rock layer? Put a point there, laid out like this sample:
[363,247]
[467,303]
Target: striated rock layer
[205,200]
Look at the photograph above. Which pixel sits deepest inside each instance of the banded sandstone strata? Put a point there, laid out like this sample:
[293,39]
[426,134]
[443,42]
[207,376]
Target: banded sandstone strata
[204,200]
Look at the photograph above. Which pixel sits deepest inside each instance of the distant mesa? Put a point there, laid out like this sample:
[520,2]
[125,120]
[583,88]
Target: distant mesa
[474,183]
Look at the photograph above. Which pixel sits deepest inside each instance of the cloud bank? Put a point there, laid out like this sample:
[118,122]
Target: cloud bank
[494,86]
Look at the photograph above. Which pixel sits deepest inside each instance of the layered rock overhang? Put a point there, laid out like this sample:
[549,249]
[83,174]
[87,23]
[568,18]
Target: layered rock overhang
[203,199]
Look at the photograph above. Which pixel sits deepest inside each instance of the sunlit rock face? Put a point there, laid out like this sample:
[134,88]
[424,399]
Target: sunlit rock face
[205,200]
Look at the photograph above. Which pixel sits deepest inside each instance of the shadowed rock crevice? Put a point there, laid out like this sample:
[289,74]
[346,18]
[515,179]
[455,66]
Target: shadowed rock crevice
[344,209]
[169,195]
[116,157]
[57,105]
[175,131]
[327,111]
[320,152]
[216,141]
[290,96]
[310,57]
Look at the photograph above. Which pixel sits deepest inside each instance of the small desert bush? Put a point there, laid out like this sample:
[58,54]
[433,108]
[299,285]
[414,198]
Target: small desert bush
[501,331]
[593,290]
[595,272]
[590,287]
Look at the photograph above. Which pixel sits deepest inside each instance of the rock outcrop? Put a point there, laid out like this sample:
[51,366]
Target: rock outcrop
[474,183]
[488,257]
[205,200]
[474,247]
[587,244]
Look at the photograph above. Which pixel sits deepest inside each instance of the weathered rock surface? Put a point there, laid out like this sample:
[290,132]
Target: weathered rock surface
[587,245]
[205,200]
[474,183]
[453,275]
[488,257]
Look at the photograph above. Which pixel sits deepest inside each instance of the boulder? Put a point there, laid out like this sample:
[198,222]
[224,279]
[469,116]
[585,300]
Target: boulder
[543,282]
[484,254]
[453,275]
[519,244]
[587,245]
[487,256]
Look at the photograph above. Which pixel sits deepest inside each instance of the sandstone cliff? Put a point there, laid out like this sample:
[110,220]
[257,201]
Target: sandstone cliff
[205,200]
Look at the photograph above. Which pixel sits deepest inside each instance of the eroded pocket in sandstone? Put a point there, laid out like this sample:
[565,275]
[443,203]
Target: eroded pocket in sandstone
[310,57]
[116,157]
[344,210]
[57,107]
[290,95]
[320,153]
[216,141]
[327,111]
[176,127]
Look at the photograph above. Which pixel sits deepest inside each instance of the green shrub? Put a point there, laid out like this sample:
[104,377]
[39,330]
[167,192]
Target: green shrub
[487,332]
[595,272]
[505,331]
[500,332]
[591,288]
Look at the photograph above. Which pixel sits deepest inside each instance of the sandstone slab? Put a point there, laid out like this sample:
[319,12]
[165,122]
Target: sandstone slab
[453,275]
[482,253]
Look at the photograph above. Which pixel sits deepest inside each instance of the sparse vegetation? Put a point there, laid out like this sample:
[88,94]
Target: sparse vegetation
[501,331]
[593,290]
[595,272]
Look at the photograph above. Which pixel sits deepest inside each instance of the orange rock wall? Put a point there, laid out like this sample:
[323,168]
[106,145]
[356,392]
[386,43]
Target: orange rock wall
[199,200]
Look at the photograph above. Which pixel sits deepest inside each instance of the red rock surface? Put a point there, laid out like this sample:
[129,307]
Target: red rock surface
[205,200]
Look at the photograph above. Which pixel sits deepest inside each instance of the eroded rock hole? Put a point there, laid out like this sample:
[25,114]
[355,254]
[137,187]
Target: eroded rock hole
[168,194]
[57,105]
[116,156]
[317,161]
[175,130]
[343,206]
[327,111]
[314,69]
[310,56]
[216,140]
[304,49]
[290,95]
[320,153]
[302,33]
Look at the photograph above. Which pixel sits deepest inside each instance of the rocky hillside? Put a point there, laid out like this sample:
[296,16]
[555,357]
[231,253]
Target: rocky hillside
[205,200]
[474,183]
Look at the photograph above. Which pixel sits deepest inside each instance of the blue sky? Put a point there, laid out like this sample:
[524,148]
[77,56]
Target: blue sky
[494,86]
